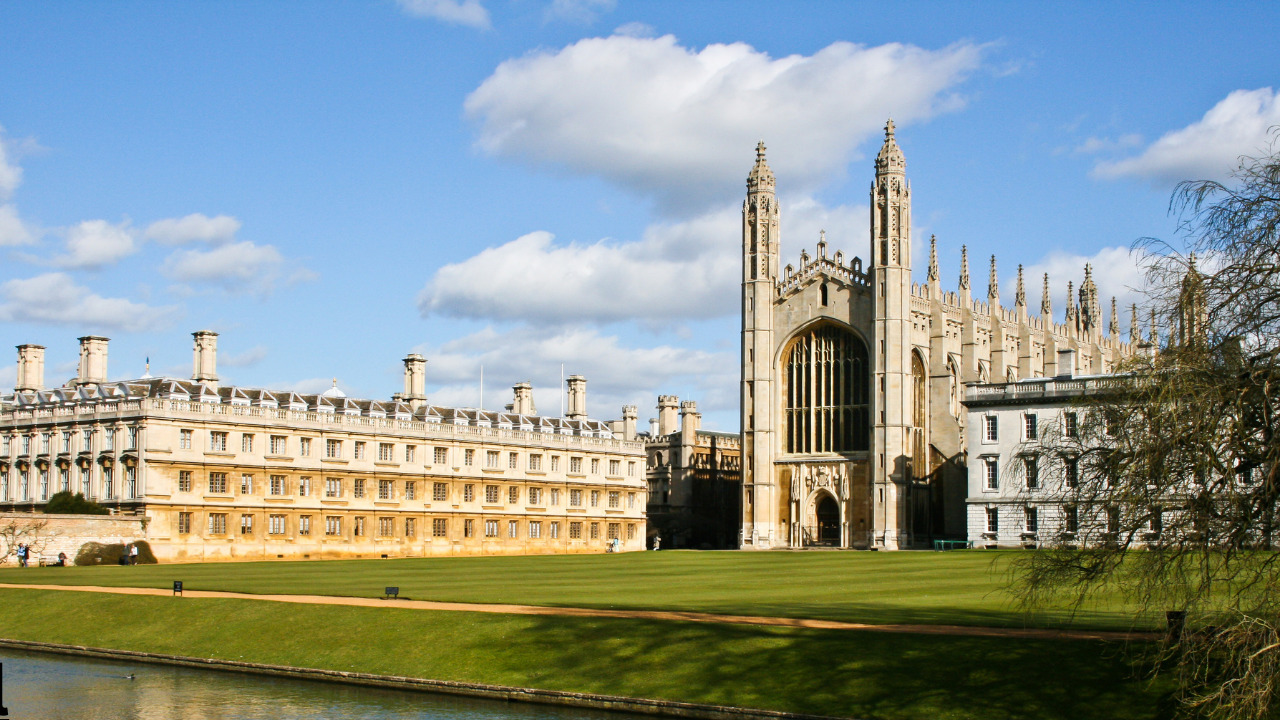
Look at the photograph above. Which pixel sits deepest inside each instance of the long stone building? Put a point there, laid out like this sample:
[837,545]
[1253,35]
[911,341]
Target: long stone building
[227,473]
[853,430]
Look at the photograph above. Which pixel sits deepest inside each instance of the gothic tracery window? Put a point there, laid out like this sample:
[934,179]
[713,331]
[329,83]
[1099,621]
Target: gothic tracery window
[826,392]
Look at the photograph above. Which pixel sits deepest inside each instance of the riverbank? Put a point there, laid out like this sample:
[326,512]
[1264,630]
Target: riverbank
[807,671]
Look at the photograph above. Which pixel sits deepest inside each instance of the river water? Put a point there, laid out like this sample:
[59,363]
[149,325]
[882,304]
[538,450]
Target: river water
[40,686]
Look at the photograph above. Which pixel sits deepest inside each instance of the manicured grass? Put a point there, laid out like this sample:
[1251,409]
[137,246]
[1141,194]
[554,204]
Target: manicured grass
[905,587]
[856,674]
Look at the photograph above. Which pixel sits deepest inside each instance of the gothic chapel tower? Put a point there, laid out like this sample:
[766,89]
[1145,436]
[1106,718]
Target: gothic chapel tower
[759,276]
[891,351]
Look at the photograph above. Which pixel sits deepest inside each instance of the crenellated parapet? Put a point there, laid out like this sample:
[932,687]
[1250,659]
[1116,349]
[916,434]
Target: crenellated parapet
[822,265]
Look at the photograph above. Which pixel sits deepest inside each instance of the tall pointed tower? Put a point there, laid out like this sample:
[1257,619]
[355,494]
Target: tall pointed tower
[761,500]
[891,350]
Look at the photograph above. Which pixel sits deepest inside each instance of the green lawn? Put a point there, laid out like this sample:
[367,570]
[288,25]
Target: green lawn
[963,587]
[872,675]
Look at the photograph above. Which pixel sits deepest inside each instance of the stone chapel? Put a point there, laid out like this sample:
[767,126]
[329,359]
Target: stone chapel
[853,433]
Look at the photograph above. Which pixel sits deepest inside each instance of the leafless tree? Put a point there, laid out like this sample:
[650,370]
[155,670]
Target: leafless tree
[32,531]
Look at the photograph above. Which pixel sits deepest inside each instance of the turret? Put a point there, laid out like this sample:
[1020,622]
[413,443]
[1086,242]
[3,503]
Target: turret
[667,405]
[576,400]
[30,368]
[93,360]
[523,402]
[415,380]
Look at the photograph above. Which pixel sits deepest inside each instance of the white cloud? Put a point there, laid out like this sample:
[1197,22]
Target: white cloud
[55,299]
[196,227]
[616,374]
[96,243]
[682,124]
[580,11]
[457,12]
[236,265]
[252,356]
[13,231]
[1094,145]
[635,28]
[677,270]
[1210,148]
[10,173]
[1116,271]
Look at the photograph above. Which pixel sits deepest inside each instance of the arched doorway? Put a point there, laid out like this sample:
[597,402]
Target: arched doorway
[828,513]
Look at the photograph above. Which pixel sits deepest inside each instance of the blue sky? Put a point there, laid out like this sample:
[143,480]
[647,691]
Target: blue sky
[524,183]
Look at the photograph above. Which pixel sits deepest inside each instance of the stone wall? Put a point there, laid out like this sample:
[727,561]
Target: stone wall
[66,533]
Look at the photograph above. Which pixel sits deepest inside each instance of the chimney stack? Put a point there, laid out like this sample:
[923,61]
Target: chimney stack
[93,360]
[206,357]
[667,414]
[415,380]
[577,405]
[629,415]
[690,422]
[653,428]
[523,404]
[1066,363]
[30,368]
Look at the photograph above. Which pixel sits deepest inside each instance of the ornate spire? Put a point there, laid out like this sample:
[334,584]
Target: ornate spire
[993,285]
[1090,310]
[890,158]
[964,267]
[1071,304]
[933,258]
[1152,335]
[1020,295]
[1135,332]
[761,177]
[1046,307]
[1113,328]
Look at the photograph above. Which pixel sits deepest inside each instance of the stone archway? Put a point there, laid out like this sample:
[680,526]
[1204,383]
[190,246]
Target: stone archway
[827,514]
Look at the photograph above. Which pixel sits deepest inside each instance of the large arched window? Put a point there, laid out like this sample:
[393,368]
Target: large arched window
[825,392]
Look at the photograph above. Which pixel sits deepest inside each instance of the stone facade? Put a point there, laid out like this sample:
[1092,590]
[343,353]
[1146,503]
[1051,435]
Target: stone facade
[232,473]
[853,430]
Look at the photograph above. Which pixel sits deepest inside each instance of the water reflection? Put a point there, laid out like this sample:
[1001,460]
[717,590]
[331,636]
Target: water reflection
[39,685]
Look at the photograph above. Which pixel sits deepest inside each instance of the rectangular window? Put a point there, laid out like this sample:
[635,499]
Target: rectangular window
[535,496]
[386,490]
[357,488]
[440,527]
[513,461]
[989,423]
[304,486]
[575,498]
[386,527]
[333,448]
[491,496]
[468,493]
[246,484]
[86,439]
[615,499]
[535,529]
[1072,472]
[184,523]
[304,447]
[410,527]
[1032,520]
[575,531]
[357,526]
[279,445]
[109,436]
[1029,426]
[386,452]
[555,530]
[1032,471]
[217,523]
[535,461]
[410,490]
[440,456]
[631,469]
[595,531]
[332,525]
[513,529]
[410,452]
[246,443]
[277,485]
[304,524]
[1071,522]
[1113,520]
[491,528]
[439,492]
[993,520]
[218,441]
[45,441]
[575,465]
[555,463]
[1071,425]
[595,498]
[468,528]
[595,466]
[631,531]
[66,443]
[631,501]
[333,487]
[246,524]
[491,459]
[133,438]
[992,471]
[615,467]
[469,458]
[184,481]
[218,483]
[275,525]
[359,451]
[513,495]
[613,531]
[555,497]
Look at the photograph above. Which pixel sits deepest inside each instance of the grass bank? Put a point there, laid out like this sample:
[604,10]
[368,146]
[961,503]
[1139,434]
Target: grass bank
[843,673]
[964,588]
